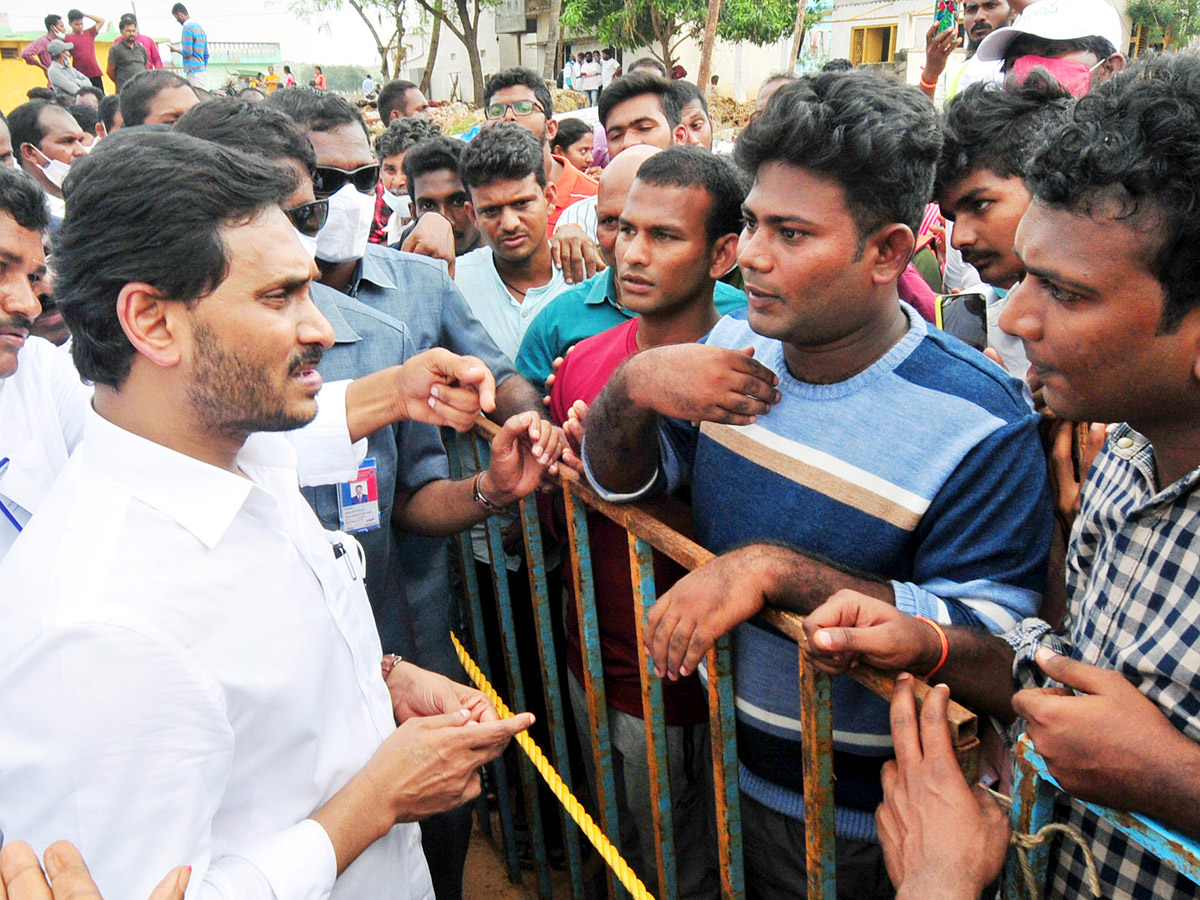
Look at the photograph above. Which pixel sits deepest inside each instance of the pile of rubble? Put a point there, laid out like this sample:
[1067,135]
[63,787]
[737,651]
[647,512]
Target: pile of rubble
[728,113]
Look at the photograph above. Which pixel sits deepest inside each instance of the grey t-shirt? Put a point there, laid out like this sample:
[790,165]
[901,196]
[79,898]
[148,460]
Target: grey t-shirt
[126,61]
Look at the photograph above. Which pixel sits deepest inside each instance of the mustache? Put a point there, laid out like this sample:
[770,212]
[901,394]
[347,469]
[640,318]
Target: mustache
[15,322]
[310,357]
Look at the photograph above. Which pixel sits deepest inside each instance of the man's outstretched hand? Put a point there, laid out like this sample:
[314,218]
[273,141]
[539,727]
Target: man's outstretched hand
[441,388]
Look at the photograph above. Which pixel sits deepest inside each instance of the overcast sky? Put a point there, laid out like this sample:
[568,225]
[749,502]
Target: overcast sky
[345,40]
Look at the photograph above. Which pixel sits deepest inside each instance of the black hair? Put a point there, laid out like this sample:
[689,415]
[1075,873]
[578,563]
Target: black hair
[693,167]
[253,128]
[688,93]
[838,64]
[245,93]
[877,138]
[402,134]
[288,69]
[315,110]
[166,234]
[1133,143]
[984,128]
[23,199]
[41,93]
[504,152]
[635,84]
[648,62]
[519,75]
[126,19]
[138,91]
[93,91]
[74,15]
[1031,44]
[391,99]
[109,105]
[51,19]
[85,117]
[25,125]
[179,8]
[569,131]
[431,155]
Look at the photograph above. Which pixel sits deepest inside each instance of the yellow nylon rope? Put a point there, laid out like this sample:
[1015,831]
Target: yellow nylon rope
[574,808]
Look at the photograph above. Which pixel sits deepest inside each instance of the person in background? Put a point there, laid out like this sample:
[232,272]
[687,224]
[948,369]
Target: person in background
[65,80]
[693,112]
[590,78]
[289,80]
[90,97]
[648,64]
[36,53]
[573,142]
[48,142]
[641,108]
[193,47]
[7,157]
[110,116]
[153,57]
[272,80]
[83,45]
[769,87]
[318,79]
[610,68]
[568,74]
[401,100]
[367,88]
[156,98]
[87,119]
[393,205]
[431,172]
[126,57]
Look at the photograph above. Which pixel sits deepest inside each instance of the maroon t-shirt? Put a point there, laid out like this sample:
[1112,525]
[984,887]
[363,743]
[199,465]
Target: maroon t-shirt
[83,51]
[582,376]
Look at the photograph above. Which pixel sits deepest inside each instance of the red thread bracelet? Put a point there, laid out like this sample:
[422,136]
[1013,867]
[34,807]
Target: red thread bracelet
[945,646]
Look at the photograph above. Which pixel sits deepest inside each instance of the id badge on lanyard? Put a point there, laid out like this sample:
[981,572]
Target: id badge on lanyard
[358,500]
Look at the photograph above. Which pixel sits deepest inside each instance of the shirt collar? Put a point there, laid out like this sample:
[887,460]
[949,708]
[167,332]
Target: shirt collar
[603,290]
[373,269]
[325,300]
[202,498]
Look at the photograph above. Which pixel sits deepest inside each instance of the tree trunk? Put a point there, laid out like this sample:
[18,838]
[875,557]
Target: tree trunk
[706,48]
[550,54]
[434,37]
[379,45]
[798,33]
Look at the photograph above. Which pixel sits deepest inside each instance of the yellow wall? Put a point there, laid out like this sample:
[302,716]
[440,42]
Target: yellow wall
[17,76]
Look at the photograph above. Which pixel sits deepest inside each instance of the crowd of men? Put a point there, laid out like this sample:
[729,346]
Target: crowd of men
[923,375]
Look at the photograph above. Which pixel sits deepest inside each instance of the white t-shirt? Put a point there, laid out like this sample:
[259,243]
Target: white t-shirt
[590,76]
[608,71]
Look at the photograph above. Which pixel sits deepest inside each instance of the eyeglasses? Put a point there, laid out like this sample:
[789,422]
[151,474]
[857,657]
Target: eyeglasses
[328,180]
[519,107]
[309,218]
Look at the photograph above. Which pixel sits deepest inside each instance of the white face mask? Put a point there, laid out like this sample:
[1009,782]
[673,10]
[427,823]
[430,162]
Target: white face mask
[398,203]
[308,243]
[344,237]
[55,170]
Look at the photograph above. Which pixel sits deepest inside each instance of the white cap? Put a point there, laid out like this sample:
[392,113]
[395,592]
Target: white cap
[1056,20]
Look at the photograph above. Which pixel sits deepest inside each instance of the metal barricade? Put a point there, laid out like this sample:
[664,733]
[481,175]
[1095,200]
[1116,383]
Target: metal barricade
[660,525]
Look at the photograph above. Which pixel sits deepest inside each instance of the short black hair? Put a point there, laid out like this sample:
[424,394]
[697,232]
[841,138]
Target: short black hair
[85,117]
[93,91]
[51,19]
[1131,143]
[166,234]
[179,8]
[688,93]
[984,128]
[877,138]
[694,167]
[431,155]
[126,19]
[648,62]
[838,64]
[635,84]
[138,91]
[519,75]
[74,15]
[25,123]
[402,134]
[23,199]
[41,93]
[1031,44]
[253,128]
[315,110]
[109,105]
[391,99]
[504,152]
[569,131]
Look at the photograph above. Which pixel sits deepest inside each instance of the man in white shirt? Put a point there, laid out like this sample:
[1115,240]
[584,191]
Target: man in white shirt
[188,659]
[609,67]
[511,279]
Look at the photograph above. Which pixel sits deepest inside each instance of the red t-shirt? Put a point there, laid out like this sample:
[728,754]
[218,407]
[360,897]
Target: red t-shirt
[83,51]
[572,185]
[582,376]
[153,60]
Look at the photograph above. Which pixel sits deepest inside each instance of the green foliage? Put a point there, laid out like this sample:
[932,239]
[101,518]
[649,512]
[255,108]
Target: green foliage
[1173,22]
[662,24]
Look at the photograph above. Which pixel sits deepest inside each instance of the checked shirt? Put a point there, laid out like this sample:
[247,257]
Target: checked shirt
[1133,578]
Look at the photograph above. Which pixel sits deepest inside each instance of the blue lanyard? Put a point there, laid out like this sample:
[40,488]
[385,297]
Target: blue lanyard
[4,509]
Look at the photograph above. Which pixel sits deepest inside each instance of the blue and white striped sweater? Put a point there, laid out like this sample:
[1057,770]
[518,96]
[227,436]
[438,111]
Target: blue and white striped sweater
[925,469]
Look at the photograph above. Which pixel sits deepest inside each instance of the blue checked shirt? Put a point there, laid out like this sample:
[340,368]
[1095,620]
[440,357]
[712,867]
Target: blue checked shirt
[1133,576]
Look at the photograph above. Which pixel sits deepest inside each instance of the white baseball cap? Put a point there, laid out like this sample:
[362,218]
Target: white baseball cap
[1056,20]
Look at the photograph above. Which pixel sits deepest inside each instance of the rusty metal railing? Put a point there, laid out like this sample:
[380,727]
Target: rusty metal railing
[661,524]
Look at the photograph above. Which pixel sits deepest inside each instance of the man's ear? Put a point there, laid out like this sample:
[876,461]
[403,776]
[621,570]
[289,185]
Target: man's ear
[101,131]
[551,195]
[551,130]
[724,256]
[29,154]
[679,135]
[1114,64]
[892,247]
[151,323]
[470,208]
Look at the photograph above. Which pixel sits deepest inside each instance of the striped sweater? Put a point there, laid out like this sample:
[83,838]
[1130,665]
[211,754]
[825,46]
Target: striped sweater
[924,469]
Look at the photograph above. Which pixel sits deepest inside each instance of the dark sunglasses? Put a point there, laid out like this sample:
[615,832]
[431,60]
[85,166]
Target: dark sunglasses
[520,108]
[328,180]
[309,217]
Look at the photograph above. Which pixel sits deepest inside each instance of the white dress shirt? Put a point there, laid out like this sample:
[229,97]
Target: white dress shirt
[187,672]
[581,213]
[42,409]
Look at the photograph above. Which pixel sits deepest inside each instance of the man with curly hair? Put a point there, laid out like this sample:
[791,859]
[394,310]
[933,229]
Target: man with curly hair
[393,207]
